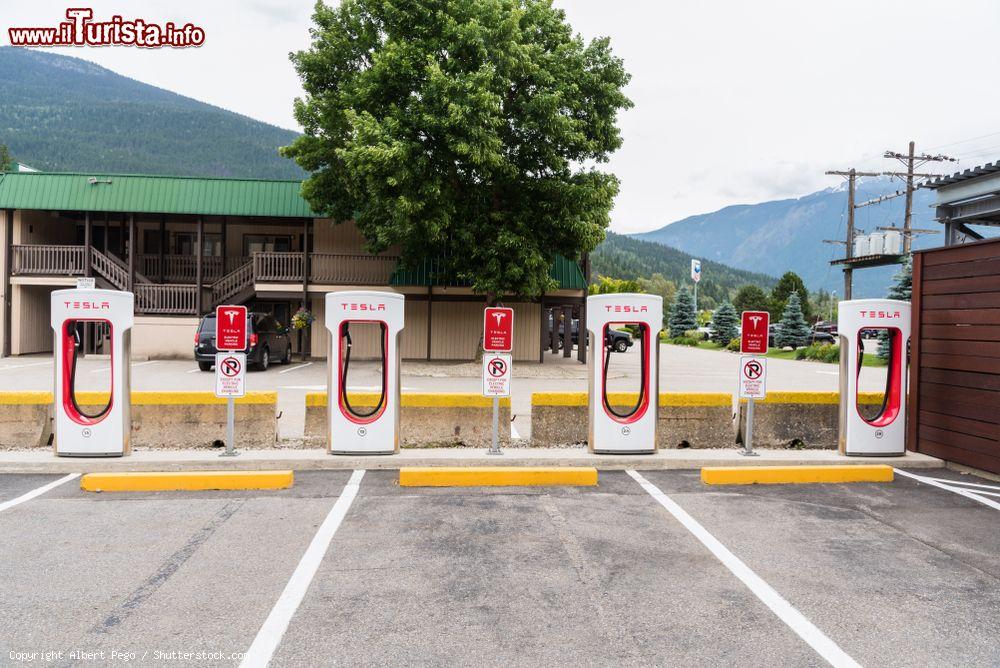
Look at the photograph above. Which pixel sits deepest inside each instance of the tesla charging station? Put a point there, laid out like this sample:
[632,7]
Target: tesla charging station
[878,430]
[353,429]
[611,429]
[105,432]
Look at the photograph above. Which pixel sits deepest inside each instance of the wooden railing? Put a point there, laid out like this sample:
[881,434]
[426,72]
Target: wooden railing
[233,283]
[331,268]
[46,260]
[184,268]
[165,298]
[113,272]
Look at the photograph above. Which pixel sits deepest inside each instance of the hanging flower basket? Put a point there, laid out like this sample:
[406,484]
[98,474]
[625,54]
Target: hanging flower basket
[302,319]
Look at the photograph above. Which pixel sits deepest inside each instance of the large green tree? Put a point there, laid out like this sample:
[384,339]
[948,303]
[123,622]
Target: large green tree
[6,161]
[725,323]
[793,330]
[463,130]
[750,298]
[901,289]
[682,314]
[788,283]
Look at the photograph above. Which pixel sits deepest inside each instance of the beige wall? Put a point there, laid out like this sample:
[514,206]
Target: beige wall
[3,284]
[163,337]
[31,327]
[412,344]
[39,227]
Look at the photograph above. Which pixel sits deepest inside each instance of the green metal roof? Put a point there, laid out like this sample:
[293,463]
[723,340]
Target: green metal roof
[566,272]
[134,193]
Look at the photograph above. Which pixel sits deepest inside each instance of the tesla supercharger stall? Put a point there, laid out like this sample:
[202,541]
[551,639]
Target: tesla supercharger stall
[370,429]
[613,428]
[879,429]
[82,431]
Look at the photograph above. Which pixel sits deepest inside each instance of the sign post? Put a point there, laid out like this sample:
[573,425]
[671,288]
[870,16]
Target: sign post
[754,335]
[498,341]
[230,364]
[695,278]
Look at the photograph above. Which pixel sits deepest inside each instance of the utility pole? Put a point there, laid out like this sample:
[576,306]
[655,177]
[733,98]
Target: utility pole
[852,176]
[912,161]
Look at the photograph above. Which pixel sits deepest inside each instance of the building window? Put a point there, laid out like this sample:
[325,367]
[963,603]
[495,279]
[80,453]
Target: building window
[257,243]
[183,244]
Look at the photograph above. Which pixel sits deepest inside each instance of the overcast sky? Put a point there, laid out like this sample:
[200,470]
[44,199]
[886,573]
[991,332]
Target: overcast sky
[736,101]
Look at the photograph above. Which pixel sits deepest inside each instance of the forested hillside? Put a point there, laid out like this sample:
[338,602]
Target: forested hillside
[625,257]
[60,113]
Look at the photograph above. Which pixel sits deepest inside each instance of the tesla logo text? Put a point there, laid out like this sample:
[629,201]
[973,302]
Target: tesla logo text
[89,306]
[625,308]
[880,314]
[363,307]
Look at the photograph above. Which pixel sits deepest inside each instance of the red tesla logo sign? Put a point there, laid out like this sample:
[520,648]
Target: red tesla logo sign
[230,327]
[753,336]
[498,329]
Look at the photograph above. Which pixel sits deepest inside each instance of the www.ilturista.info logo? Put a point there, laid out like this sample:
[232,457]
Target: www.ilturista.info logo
[82,30]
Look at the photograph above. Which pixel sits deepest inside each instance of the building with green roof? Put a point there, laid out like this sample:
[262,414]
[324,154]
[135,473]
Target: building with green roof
[260,245]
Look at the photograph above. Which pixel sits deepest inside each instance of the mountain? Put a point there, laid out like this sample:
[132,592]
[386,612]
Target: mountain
[59,113]
[774,237]
[620,256]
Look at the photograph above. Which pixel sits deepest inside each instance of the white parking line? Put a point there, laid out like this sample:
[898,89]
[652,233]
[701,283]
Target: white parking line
[961,491]
[794,619]
[37,492]
[965,484]
[296,368]
[193,371]
[270,634]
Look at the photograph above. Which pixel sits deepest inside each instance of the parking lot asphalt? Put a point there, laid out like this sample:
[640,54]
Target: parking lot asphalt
[901,573]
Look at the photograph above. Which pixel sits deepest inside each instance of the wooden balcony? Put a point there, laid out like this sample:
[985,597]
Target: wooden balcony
[324,268]
[184,268]
[46,260]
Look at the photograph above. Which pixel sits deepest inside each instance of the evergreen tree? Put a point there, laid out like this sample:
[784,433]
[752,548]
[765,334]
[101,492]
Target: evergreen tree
[608,285]
[789,282]
[750,298]
[724,322]
[682,315]
[793,329]
[902,289]
[6,161]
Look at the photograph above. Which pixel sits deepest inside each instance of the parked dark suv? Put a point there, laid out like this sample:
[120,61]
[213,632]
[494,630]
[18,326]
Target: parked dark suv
[616,340]
[269,342]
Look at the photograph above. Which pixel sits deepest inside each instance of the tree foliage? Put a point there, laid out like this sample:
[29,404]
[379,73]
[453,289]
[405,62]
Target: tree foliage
[724,324]
[658,284]
[6,160]
[750,298]
[459,130]
[607,285]
[682,316]
[626,257]
[793,330]
[788,283]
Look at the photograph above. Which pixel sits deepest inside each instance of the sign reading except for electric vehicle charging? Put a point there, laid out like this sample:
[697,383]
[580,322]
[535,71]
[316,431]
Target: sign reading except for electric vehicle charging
[230,374]
[496,374]
[230,328]
[754,332]
[498,329]
[86,283]
[753,377]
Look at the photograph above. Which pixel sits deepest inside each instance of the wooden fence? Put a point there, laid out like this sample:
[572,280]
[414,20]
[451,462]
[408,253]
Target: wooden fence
[955,358]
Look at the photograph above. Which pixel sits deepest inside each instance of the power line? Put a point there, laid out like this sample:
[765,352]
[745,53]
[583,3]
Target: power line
[911,160]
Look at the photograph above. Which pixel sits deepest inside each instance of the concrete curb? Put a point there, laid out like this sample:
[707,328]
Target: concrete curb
[163,481]
[777,475]
[495,476]
[43,461]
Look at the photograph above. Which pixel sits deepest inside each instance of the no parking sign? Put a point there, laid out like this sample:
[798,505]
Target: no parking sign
[753,377]
[230,374]
[496,374]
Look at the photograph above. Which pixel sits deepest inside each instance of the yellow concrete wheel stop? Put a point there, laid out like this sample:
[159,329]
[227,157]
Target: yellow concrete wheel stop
[174,481]
[776,475]
[495,476]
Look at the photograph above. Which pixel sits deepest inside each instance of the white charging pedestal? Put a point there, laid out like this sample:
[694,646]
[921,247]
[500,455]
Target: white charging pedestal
[82,431]
[613,429]
[873,430]
[363,424]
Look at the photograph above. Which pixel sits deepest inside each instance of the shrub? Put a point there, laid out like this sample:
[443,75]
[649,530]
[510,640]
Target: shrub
[733,345]
[684,341]
[824,352]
